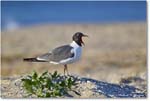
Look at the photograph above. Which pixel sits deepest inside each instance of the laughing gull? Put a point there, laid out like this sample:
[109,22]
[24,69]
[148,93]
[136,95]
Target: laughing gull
[65,54]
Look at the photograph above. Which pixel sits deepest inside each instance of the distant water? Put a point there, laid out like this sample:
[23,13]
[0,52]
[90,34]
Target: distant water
[16,14]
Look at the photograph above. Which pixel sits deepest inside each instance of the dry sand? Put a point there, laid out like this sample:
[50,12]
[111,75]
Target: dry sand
[11,87]
[112,51]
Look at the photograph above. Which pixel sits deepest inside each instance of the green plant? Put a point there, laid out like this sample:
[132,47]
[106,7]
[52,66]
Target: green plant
[48,85]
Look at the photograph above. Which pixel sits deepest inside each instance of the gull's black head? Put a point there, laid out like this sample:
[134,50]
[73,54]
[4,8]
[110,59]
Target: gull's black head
[77,37]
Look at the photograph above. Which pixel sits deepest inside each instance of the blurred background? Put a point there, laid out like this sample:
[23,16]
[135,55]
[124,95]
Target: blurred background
[115,49]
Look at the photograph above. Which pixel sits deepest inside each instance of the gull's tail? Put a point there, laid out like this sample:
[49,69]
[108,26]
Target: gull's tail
[33,60]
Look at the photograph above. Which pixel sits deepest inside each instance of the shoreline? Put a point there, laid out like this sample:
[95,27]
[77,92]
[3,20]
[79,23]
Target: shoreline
[75,24]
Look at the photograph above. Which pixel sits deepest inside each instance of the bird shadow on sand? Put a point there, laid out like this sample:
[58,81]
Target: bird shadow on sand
[115,90]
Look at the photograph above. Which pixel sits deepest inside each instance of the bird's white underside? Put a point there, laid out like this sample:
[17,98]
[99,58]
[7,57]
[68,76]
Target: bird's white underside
[77,50]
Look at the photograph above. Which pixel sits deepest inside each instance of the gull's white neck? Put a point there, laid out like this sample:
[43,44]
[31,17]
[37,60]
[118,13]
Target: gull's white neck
[74,44]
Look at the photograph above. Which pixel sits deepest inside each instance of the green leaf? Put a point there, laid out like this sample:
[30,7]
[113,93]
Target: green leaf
[54,75]
[45,73]
[63,84]
[28,87]
[48,83]
[34,75]
[48,94]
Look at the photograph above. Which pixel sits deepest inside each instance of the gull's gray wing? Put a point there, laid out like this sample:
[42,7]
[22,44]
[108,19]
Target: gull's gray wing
[44,57]
[58,54]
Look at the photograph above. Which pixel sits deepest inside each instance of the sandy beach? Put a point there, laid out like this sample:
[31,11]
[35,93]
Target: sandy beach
[112,51]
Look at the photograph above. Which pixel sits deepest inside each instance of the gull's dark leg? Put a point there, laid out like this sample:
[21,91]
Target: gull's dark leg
[65,69]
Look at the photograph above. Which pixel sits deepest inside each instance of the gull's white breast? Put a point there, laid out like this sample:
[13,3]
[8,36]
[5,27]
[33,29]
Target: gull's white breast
[77,50]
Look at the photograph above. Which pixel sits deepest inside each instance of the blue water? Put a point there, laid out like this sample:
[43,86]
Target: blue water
[29,13]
